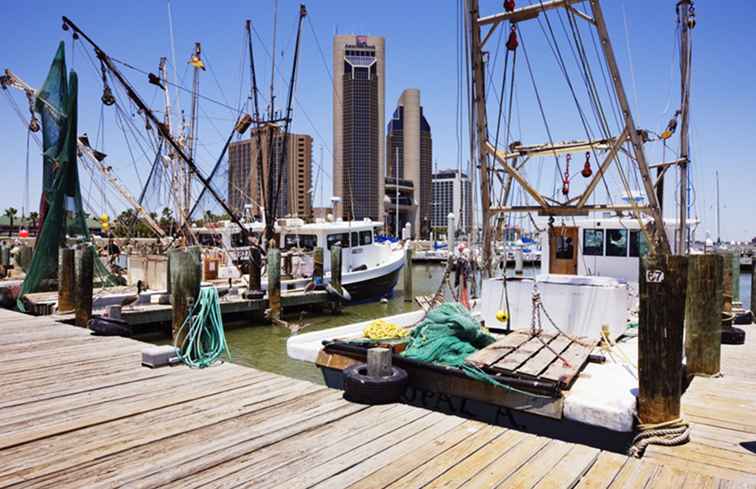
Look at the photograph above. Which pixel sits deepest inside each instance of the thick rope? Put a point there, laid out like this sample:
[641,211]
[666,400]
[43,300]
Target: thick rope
[205,340]
[668,434]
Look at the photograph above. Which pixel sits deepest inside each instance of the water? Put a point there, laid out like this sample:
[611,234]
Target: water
[263,346]
[745,288]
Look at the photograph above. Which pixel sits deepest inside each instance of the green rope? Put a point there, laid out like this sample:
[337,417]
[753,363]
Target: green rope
[205,340]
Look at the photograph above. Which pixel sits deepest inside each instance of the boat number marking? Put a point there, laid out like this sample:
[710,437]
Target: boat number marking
[654,276]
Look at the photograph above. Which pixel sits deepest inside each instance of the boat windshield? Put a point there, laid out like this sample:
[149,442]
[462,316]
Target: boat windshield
[307,242]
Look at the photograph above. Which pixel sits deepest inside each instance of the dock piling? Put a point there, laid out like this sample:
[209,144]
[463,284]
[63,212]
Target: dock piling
[663,282]
[379,362]
[727,282]
[735,277]
[703,314]
[409,295]
[317,265]
[66,280]
[84,272]
[274,281]
[753,286]
[185,278]
[255,264]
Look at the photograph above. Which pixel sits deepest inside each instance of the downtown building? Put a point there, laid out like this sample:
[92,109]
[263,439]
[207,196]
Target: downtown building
[452,193]
[409,167]
[244,182]
[358,122]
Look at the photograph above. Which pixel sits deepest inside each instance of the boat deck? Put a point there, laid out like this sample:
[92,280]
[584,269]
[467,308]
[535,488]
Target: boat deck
[79,411]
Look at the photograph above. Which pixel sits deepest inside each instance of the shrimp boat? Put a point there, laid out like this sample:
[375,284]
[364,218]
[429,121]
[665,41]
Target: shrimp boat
[370,267]
[563,353]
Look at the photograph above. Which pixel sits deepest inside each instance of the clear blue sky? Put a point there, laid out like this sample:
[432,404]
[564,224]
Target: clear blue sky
[421,53]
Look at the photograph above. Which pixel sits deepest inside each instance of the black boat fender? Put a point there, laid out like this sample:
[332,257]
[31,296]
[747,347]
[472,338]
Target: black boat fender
[361,388]
[733,336]
[105,326]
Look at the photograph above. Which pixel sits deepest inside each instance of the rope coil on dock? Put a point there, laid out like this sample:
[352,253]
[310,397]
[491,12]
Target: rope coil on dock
[668,434]
[205,340]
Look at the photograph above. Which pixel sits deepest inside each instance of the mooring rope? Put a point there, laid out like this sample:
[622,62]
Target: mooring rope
[668,434]
[205,340]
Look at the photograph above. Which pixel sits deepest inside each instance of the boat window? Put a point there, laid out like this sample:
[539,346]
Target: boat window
[307,242]
[616,242]
[355,239]
[366,238]
[565,248]
[638,244]
[236,240]
[341,238]
[593,242]
[210,239]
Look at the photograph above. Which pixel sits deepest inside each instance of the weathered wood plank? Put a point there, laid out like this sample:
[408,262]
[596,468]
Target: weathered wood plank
[546,357]
[566,368]
[498,350]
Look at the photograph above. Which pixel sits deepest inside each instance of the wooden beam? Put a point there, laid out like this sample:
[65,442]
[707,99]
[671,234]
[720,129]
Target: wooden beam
[515,174]
[526,13]
[678,161]
[581,14]
[602,169]
[570,210]
[557,148]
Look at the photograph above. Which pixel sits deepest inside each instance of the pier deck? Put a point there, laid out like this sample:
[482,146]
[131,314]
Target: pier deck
[79,411]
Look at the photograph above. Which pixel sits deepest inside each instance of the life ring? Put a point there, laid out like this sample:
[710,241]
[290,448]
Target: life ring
[361,388]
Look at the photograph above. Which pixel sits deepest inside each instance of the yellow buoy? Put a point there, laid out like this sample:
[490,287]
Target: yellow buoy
[501,316]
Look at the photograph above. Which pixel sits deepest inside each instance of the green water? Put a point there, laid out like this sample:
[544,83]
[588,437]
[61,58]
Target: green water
[263,346]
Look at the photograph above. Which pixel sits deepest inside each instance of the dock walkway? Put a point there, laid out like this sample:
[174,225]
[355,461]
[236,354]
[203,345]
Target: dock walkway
[79,411]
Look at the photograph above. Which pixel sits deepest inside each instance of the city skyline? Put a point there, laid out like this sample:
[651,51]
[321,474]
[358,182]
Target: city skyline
[411,62]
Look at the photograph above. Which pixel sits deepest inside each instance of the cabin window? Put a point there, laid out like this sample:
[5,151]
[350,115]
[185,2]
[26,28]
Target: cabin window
[341,238]
[307,242]
[593,242]
[210,240]
[366,238]
[355,239]
[237,241]
[565,248]
[638,244]
[616,242]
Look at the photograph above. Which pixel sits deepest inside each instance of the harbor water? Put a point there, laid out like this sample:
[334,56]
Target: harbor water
[263,346]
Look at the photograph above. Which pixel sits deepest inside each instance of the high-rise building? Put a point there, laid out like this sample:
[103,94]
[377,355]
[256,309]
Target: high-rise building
[244,184]
[409,156]
[358,119]
[452,193]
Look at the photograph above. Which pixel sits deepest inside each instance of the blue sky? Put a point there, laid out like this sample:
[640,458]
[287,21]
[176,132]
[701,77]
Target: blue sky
[421,44]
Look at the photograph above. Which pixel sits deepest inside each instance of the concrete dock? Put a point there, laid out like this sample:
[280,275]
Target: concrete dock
[80,411]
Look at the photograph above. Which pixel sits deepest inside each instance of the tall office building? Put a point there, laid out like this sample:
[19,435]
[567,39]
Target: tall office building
[409,156]
[452,193]
[244,188]
[358,121]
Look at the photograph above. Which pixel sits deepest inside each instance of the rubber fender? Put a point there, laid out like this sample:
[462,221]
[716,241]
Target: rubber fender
[361,388]
[102,326]
[733,336]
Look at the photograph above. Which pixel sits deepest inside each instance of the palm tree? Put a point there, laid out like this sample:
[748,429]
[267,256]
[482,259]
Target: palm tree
[34,217]
[11,213]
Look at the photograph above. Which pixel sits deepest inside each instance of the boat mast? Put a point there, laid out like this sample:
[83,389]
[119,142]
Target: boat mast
[257,118]
[685,9]
[196,62]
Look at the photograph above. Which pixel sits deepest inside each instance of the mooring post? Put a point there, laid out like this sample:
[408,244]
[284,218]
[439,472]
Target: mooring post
[66,280]
[336,267]
[255,264]
[753,287]
[703,322]
[186,276]
[317,265]
[663,281]
[409,295]
[84,271]
[735,277]
[274,281]
[287,264]
[379,362]
[727,282]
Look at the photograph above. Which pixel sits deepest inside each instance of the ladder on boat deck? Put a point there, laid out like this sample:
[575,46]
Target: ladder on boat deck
[549,358]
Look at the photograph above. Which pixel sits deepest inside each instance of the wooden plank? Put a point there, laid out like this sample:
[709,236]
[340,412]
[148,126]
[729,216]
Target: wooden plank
[493,353]
[570,469]
[603,471]
[521,355]
[546,357]
[635,473]
[530,474]
[575,357]
[508,463]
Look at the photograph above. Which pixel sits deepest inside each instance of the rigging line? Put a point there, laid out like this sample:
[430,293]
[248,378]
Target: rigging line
[605,76]
[501,105]
[215,78]
[173,61]
[630,60]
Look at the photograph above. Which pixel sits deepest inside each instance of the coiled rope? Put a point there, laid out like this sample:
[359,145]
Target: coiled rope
[668,434]
[205,340]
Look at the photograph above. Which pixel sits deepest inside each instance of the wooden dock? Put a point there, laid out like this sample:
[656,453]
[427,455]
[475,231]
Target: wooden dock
[79,411]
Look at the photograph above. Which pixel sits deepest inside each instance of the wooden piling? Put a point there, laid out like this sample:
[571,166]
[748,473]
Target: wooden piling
[274,281]
[735,277]
[727,282]
[287,264]
[84,271]
[753,286]
[317,265]
[185,278]
[255,265]
[409,294]
[379,362]
[336,267]
[663,281]
[66,280]
[703,307]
